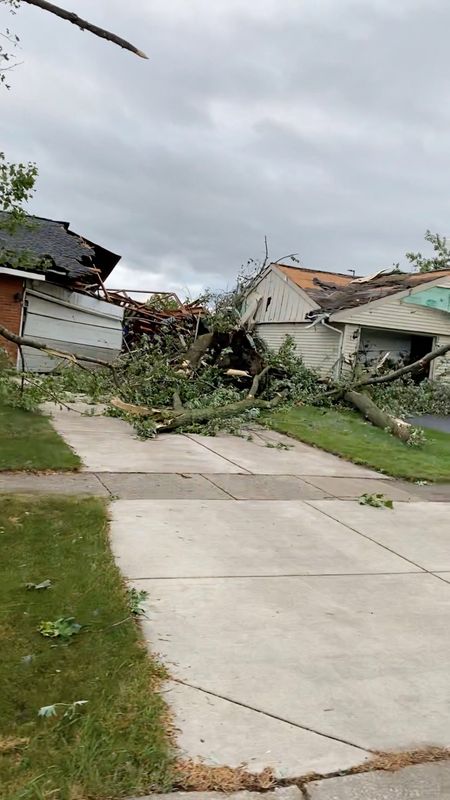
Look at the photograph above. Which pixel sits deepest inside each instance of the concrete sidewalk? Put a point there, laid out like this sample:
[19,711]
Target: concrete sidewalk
[302,631]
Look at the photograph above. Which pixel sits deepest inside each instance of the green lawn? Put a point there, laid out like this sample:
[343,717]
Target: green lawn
[115,745]
[348,435]
[28,442]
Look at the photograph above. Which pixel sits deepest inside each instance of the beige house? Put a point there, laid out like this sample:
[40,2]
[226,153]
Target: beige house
[335,318]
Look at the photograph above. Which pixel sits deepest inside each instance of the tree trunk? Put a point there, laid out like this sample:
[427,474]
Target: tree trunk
[378,417]
[198,349]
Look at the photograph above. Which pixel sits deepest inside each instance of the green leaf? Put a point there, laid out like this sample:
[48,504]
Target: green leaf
[135,600]
[62,628]
[376,501]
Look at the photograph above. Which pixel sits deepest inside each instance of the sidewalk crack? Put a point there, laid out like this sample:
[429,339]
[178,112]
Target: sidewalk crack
[274,716]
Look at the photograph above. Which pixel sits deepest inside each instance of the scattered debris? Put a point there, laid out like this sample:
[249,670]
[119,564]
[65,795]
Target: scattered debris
[38,586]
[10,744]
[376,501]
[390,762]
[160,312]
[62,628]
[135,600]
[192,776]
[279,445]
[71,709]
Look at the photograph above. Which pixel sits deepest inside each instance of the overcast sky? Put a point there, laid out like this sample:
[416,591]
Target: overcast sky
[324,124]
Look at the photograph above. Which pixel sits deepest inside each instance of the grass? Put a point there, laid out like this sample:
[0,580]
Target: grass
[346,434]
[116,744]
[28,442]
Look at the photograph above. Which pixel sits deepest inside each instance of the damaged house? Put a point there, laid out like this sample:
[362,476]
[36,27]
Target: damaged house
[50,278]
[335,319]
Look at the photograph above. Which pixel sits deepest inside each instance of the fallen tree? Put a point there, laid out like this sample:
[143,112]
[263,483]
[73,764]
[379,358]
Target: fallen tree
[166,386]
[378,417]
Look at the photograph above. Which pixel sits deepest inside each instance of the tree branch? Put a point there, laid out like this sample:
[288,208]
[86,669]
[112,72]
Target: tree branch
[25,341]
[256,381]
[398,373]
[84,25]
[167,420]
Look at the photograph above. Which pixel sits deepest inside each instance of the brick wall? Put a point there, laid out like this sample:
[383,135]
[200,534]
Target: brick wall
[10,310]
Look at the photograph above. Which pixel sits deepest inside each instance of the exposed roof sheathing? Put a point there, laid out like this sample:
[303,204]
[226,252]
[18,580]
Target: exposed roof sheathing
[305,278]
[336,298]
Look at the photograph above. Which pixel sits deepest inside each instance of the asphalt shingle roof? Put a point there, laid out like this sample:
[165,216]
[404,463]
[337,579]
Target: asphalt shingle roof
[70,253]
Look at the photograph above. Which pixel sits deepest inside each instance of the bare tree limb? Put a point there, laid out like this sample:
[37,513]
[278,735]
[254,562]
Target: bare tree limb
[266,254]
[390,376]
[25,341]
[84,25]
[167,420]
[293,256]
[256,381]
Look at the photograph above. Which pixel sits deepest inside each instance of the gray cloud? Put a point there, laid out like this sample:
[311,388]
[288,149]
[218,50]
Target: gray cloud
[323,125]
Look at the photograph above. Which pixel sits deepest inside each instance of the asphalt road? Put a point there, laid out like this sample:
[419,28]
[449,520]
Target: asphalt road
[432,421]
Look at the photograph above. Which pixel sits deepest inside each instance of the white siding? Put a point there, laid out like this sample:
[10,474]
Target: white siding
[392,314]
[440,367]
[317,346]
[69,321]
[350,346]
[281,300]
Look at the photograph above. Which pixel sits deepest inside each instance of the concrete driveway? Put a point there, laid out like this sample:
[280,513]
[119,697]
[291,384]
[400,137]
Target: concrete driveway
[302,631]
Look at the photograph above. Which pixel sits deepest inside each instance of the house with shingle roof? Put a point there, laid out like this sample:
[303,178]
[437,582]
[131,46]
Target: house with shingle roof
[50,284]
[336,319]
